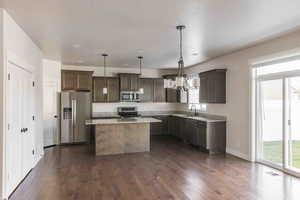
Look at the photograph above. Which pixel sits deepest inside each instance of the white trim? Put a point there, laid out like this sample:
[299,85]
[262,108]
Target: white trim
[274,57]
[14,59]
[238,154]
[279,75]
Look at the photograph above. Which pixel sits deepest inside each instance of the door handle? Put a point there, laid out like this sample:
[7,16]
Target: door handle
[55,116]
[22,130]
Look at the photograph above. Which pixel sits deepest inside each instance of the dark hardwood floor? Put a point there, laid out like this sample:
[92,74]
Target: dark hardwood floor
[172,170]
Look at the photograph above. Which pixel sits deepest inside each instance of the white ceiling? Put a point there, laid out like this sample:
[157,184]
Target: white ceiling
[127,28]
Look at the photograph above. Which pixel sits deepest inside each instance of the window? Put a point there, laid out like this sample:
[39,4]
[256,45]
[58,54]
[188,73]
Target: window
[193,95]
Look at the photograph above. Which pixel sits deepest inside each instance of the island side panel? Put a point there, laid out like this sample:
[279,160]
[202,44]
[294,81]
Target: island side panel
[122,138]
[137,137]
[109,140]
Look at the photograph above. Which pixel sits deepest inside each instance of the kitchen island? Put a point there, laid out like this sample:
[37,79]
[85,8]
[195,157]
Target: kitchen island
[119,136]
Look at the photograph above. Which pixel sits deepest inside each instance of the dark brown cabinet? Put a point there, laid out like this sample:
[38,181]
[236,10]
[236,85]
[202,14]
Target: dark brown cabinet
[196,132]
[172,95]
[202,134]
[148,85]
[113,89]
[159,90]
[154,90]
[213,86]
[76,80]
[129,82]
[98,84]
[159,128]
[113,92]
[173,124]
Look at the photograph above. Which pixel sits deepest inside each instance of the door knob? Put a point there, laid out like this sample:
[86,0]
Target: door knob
[55,116]
[22,130]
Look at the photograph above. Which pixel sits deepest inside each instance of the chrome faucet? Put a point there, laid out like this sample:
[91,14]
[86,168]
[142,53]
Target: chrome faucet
[195,109]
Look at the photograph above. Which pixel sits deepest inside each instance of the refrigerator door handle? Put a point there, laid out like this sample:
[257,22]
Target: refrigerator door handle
[73,119]
[75,112]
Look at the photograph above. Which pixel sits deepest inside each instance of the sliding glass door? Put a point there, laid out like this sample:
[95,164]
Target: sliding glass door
[293,131]
[278,120]
[271,121]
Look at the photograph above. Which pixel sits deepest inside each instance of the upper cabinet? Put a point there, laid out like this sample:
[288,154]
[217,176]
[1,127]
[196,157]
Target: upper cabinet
[113,90]
[129,82]
[213,86]
[154,90]
[98,84]
[159,90]
[172,95]
[76,80]
[148,85]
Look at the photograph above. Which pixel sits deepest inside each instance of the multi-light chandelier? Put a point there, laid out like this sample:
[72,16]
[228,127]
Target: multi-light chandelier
[181,81]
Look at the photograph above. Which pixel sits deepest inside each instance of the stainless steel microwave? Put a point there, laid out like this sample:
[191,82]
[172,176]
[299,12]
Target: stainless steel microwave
[129,96]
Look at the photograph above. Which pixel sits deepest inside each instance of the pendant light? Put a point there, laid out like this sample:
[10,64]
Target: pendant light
[104,64]
[181,81]
[141,90]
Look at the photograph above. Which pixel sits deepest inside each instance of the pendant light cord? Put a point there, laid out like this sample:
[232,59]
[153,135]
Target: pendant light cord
[104,66]
[140,58]
[180,62]
[140,66]
[104,62]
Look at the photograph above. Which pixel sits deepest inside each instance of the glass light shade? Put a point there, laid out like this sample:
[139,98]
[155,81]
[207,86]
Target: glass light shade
[104,90]
[196,83]
[179,81]
[166,83]
[141,90]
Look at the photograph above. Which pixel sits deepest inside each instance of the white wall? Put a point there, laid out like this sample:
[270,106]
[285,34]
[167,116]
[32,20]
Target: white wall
[16,41]
[52,71]
[2,106]
[238,105]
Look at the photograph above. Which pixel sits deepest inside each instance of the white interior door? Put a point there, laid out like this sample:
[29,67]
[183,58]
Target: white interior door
[27,112]
[13,136]
[19,138]
[50,114]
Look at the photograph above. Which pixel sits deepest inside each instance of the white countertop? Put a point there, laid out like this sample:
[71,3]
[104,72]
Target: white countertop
[204,119]
[121,121]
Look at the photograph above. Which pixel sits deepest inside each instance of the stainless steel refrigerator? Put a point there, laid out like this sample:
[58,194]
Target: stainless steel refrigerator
[75,109]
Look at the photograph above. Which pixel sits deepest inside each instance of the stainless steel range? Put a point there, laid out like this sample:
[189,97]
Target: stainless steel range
[128,112]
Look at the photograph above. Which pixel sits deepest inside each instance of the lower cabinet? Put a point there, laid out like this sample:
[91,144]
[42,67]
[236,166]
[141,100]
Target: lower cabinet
[197,133]
[173,124]
[160,128]
[209,137]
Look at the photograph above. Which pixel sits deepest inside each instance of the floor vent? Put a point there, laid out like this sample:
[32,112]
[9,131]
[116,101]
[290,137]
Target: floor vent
[273,173]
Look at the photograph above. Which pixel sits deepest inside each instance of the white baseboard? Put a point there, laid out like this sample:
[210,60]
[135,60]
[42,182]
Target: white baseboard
[238,154]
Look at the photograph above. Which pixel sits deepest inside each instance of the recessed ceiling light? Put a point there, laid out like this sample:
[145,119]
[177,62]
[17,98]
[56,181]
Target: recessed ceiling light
[140,51]
[76,46]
